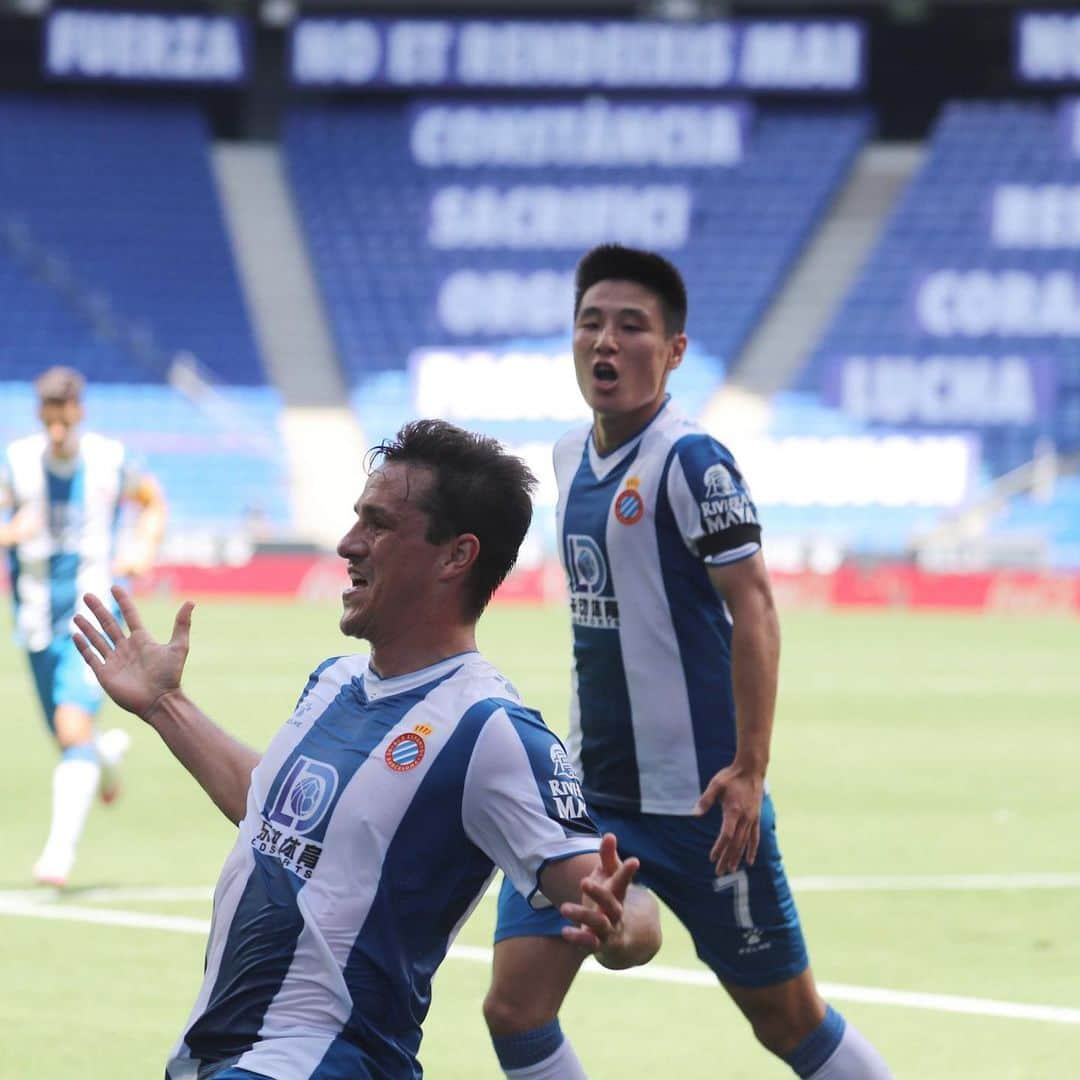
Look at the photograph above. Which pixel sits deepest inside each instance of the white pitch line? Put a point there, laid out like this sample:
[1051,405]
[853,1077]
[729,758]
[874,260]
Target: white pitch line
[870,995]
[161,894]
[935,883]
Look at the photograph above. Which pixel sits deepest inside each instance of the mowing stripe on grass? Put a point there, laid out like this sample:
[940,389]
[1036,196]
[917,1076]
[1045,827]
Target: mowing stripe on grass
[36,909]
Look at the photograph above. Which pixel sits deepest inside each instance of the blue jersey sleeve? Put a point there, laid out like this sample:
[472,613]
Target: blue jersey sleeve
[711,501]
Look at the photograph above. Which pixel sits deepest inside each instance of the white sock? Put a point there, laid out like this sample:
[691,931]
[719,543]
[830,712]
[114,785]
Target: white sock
[561,1065]
[854,1059]
[75,782]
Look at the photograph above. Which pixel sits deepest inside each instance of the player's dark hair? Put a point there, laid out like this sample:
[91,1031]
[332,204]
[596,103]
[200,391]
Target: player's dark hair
[478,488]
[613,262]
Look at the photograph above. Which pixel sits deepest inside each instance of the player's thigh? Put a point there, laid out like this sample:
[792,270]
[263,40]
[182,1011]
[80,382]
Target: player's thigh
[74,684]
[744,925]
[61,677]
[532,968]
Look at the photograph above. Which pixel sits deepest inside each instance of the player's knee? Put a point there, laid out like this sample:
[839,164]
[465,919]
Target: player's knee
[507,1012]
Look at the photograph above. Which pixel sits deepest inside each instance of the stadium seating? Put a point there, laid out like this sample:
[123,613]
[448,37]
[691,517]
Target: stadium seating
[366,208]
[113,253]
[943,221]
[222,469]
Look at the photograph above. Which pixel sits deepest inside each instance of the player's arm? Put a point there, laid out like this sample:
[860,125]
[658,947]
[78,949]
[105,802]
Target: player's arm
[149,526]
[22,524]
[143,676]
[617,921]
[755,660]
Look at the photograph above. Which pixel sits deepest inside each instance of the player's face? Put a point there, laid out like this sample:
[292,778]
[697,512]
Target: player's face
[391,564]
[622,352]
[61,420]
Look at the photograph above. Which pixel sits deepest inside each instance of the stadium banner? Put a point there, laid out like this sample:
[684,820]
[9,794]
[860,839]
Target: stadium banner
[989,303]
[1040,217]
[1046,48]
[144,47]
[479,385]
[595,132]
[944,390]
[321,578]
[745,55]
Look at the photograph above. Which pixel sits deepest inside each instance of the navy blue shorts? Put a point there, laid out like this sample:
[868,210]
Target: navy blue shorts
[744,925]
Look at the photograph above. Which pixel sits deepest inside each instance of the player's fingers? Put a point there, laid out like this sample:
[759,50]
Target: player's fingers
[713,791]
[583,938]
[127,608]
[592,919]
[607,902]
[182,624]
[105,617]
[609,854]
[92,659]
[724,838]
[93,636]
[753,843]
[618,882]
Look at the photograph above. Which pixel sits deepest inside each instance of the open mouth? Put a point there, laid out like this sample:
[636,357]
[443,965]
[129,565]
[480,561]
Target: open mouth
[356,580]
[604,372]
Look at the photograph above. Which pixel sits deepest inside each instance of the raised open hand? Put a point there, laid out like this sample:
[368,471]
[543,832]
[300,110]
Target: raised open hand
[599,924]
[134,670]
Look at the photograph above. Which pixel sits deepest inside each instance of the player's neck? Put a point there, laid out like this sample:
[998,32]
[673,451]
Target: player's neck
[611,430]
[414,651]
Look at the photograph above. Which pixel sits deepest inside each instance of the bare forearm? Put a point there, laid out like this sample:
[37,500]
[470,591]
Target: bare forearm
[221,764]
[755,658]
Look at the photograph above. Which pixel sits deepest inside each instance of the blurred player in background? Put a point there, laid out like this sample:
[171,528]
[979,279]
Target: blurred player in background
[676,652]
[64,490]
[371,827]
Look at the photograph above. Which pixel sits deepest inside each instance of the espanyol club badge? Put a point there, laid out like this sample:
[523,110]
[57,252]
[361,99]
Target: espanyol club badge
[629,505]
[405,752]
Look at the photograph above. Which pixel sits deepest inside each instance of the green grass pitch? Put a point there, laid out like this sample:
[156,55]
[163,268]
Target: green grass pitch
[917,747]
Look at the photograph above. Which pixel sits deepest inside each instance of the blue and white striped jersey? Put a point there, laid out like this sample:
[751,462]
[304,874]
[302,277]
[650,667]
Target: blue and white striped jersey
[652,709]
[374,824]
[76,507]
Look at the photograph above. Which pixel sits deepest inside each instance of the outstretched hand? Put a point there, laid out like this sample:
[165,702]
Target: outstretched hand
[599,924]
[133,669]
[740,794]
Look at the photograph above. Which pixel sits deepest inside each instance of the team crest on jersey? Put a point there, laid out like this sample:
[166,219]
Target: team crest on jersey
[629,505]
[405,752]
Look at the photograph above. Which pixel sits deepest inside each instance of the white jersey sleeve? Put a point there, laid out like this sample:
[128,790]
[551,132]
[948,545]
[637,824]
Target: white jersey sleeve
[523,805]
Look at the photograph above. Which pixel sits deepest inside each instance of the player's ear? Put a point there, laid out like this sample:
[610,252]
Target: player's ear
[677,351]
[461,552]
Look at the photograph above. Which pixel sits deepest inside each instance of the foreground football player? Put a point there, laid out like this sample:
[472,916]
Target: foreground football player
[373,823]
[676,649]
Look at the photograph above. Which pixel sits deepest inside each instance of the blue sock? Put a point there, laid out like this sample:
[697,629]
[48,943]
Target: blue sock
[819,1045]
[528,1048]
